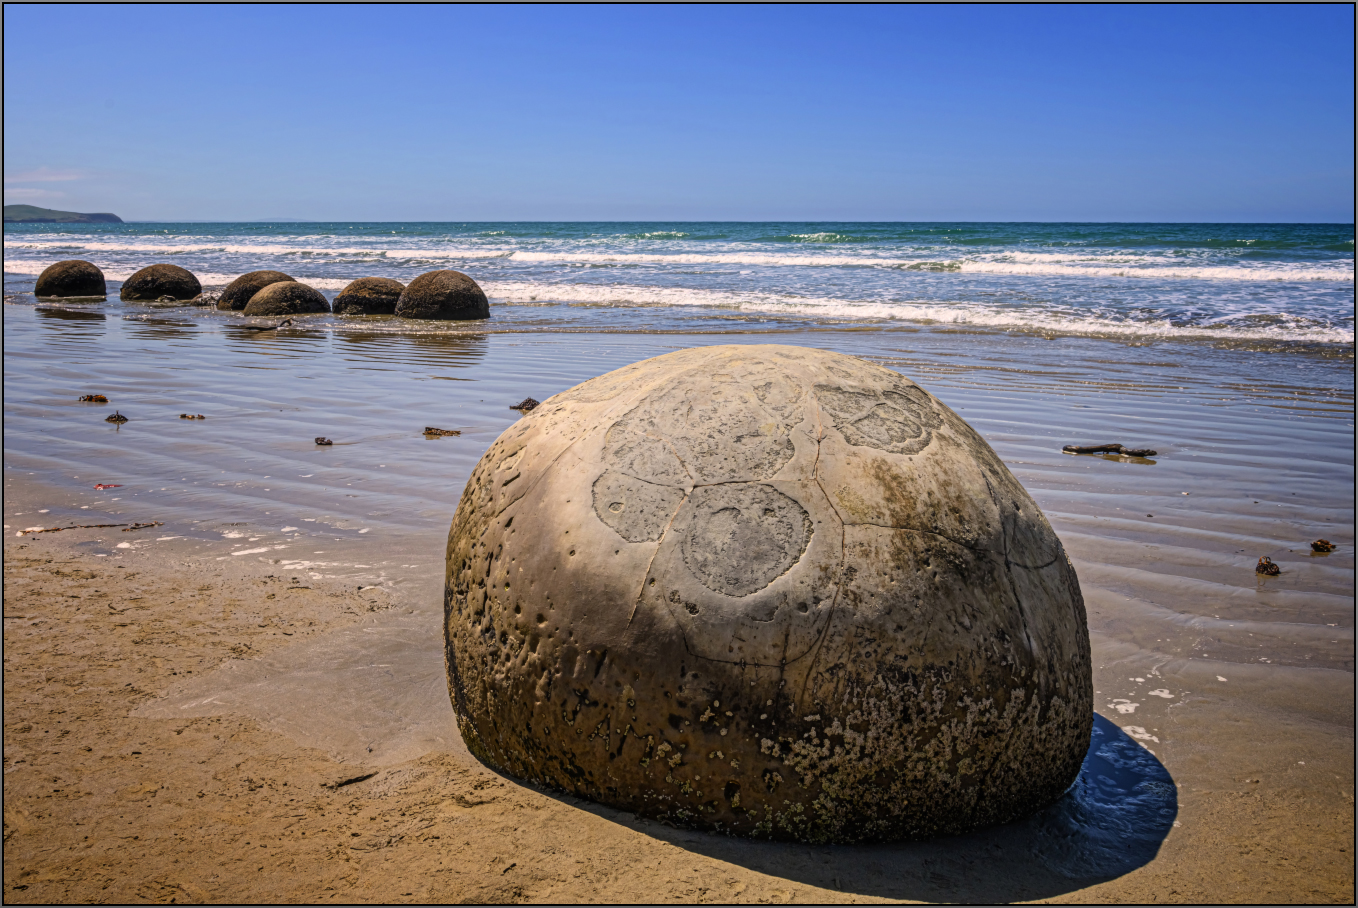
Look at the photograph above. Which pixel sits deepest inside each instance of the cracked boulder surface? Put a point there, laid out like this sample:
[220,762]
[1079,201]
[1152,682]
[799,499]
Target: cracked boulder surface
[769,591]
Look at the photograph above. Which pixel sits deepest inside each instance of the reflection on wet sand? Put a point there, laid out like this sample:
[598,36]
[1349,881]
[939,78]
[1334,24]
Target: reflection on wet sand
[69,315]
[153,329]
[1121,458]
[240,334]
[76,334]
[454,351]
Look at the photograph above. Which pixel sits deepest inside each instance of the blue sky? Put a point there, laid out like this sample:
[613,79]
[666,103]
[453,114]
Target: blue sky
[1196,113]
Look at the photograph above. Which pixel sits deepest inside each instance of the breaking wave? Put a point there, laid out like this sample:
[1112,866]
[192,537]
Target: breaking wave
[1067,321]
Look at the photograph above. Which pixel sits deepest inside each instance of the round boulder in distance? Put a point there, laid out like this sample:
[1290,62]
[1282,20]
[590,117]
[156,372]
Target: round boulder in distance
[443,294]
[156,281]
[369,296]
[769,591]
[240,291]
[73,277]
[287,298]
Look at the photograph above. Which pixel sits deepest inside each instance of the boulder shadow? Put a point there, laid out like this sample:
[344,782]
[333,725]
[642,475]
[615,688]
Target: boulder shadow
[1110,822]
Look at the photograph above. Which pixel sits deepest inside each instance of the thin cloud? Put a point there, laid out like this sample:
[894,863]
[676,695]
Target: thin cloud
[19,194]
[45,175]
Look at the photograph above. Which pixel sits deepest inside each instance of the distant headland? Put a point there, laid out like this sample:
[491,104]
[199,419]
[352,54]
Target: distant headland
[31,214]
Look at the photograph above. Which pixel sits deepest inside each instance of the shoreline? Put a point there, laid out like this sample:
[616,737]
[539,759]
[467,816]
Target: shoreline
[1263,286]
[723,321]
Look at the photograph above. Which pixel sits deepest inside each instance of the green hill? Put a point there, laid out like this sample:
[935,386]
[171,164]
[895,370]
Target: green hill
[31,214]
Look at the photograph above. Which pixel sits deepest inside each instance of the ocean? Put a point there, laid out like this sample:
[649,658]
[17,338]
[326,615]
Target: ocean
[1258,286]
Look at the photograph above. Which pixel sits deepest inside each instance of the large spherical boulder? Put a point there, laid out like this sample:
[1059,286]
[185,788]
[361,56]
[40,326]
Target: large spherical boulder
[240,291]
[369,296]
[156,281]
[287,298]
[770,591]
[443,295]
[71,278]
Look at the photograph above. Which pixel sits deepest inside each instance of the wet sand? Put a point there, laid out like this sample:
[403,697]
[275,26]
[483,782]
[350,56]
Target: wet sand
[247,703]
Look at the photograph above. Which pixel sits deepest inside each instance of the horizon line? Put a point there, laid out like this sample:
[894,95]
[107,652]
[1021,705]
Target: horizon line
[692,221]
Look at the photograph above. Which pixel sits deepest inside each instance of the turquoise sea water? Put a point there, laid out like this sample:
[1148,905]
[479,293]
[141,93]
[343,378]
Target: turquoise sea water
[1254,285]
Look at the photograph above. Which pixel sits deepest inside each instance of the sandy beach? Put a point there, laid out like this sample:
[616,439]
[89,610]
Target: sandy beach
[247,702]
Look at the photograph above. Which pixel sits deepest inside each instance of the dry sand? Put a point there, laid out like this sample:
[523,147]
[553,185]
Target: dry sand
[103,803]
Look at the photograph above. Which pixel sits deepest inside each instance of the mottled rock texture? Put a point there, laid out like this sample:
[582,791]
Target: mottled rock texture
[156,281]
[287,298]
[71,278]
[771,591]
[443,295]
[369,296]
[239,292]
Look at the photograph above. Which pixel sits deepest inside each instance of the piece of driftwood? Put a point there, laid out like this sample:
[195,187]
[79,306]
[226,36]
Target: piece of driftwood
[431,432]
[142,526]
[351,780]
[94,399]
[116,417]
[79,526]
[191,416]
[1108,449]
[1266,566]
[323,441]
[284,323]
[1323,545]
[107,485]
[525,405]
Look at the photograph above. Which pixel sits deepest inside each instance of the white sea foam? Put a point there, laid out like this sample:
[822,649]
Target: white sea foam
[821,237]
[1104,263]
[210,280]
[923,312]
[952,313]
[261,249]
[1146,266]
